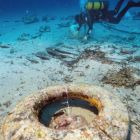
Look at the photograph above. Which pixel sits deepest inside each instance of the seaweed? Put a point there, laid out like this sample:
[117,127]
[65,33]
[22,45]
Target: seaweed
[124,77]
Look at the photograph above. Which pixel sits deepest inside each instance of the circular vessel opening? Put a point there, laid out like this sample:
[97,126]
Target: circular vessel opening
[67,114]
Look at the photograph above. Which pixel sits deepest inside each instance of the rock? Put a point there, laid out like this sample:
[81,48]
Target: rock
[68,79]
[45,18]
[36,35]
[24,37]
[29,19]
[12,51]
[64,25]
[44,29]
[7,104]
[4,46]
[87,66]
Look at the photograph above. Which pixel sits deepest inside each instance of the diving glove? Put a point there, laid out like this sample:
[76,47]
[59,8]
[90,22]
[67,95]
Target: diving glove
[74,29]
[85,38]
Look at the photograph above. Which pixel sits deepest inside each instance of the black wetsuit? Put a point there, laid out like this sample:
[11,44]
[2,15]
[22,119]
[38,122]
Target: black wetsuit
[90,17]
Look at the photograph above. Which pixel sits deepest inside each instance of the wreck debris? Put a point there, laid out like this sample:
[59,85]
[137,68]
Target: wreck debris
[42,55]
[54,53]
[123,77]
[32,60]
[134,59]
[60,54]
[111,123]
[90,54]
[70,57]
[127,51]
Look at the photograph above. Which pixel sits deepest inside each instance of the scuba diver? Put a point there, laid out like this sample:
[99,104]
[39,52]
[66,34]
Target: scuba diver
[97,11]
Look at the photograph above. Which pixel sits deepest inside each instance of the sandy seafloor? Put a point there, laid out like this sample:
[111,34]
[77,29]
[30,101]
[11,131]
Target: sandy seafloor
[22,73]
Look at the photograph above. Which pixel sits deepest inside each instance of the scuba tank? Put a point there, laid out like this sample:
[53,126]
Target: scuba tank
[96,5]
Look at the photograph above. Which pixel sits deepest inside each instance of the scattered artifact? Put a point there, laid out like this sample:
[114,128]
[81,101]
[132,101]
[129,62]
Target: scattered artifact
[110,123]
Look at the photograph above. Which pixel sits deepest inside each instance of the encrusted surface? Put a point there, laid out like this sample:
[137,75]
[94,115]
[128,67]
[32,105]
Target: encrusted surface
[111,123]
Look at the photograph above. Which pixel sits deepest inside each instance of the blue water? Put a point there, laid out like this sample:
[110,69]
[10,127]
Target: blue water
[16,6]
[13,6]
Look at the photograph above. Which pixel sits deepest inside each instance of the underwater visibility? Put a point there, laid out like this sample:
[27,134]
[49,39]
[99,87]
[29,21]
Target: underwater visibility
[70,70]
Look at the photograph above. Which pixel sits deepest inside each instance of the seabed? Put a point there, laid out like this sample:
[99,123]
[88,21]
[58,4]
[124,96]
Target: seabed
[42,52]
